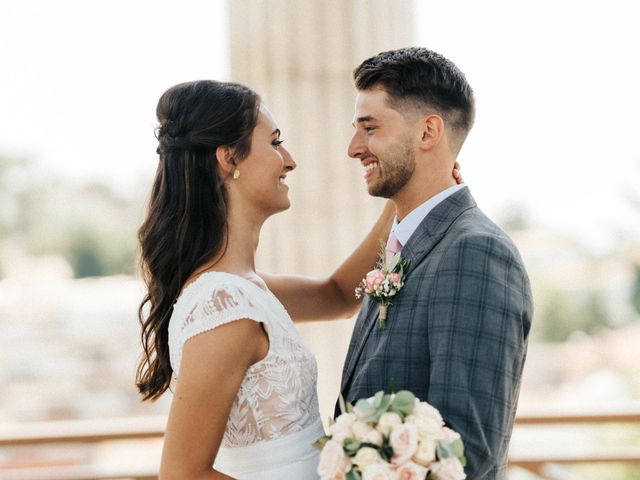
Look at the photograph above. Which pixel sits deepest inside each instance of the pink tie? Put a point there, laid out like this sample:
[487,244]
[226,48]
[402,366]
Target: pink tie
[393,246]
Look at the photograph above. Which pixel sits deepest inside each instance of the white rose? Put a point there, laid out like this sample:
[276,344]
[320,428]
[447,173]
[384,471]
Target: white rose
[426,410]
[404,442]
[428,421]
[425,453]
[449,436]
[388,421]
[448,469]
[366,433]
[333,462]
[343,427]
[411,471]
[374,437]
[360,429]
[366,456]
[376,471]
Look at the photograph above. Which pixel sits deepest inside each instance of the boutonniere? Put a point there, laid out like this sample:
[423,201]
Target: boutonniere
[383,283]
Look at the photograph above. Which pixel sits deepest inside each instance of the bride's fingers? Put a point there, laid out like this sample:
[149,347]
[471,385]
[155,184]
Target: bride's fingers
[456,173]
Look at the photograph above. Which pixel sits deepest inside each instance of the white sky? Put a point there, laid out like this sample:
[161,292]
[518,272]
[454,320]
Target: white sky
[557,86]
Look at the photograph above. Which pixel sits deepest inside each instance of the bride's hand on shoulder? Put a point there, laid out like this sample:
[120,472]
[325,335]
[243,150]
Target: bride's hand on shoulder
[456,173]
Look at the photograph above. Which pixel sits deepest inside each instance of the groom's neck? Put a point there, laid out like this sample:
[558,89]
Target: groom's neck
[417,191]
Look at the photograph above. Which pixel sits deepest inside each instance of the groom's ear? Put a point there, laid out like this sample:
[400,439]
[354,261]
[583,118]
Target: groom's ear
[431,131]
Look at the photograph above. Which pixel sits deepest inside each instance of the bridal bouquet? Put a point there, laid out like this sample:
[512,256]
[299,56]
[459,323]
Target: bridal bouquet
[391,437]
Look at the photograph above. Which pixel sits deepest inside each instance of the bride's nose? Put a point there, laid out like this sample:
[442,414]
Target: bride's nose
[289,162]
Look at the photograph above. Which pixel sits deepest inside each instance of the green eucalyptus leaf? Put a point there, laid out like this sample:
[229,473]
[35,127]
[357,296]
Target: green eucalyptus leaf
[457,448]
[386,452]
[386,402]
[353,474]
[343,406]
[452,449]
[321,442]
[365,407]
[403,402]
[443,451]
[351,446]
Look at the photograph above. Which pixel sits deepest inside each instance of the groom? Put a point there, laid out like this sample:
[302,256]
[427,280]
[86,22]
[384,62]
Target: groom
[456,333]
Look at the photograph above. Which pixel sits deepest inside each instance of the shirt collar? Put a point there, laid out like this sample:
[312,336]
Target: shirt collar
[404,229]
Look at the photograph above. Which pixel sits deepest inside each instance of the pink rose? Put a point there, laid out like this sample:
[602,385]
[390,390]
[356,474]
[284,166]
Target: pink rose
[374,279]
[411,471]
[334,463]
[376,471]
[448,469]
[404,441]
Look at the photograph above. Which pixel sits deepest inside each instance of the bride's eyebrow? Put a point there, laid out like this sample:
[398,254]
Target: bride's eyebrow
[276,132]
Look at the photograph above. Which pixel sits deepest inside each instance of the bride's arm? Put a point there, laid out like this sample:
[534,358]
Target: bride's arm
[212,369]
[309,298]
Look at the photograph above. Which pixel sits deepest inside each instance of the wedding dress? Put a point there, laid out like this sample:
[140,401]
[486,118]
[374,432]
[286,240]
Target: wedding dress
[274,419]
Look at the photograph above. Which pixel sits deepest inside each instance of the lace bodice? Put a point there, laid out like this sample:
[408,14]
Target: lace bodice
[278,394]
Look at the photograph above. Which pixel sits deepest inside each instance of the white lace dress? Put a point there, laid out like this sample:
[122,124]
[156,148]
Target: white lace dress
[274,419]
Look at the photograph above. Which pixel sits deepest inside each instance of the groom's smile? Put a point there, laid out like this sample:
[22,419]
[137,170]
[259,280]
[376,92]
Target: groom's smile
[370,167]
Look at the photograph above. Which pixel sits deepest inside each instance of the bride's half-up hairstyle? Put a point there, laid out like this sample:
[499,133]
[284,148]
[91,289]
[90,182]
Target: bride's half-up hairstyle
[186,221]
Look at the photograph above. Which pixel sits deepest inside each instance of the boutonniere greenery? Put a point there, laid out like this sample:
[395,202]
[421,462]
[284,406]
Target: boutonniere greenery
[384,282]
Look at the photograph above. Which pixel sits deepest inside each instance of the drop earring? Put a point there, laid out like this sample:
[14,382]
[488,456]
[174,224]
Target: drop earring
[236,174]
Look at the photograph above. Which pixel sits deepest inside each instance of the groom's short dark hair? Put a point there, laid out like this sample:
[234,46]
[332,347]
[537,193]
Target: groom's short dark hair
[425,79]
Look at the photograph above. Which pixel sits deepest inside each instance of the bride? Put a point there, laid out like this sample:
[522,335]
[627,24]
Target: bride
[244,403]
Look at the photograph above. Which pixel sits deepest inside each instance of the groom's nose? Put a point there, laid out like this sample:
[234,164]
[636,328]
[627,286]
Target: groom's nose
[357,147]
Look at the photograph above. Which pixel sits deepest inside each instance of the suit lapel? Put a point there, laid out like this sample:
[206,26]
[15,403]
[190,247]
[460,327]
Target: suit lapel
[360,334]
[427,235]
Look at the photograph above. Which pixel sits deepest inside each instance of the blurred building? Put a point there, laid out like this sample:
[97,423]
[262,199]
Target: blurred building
[299,57]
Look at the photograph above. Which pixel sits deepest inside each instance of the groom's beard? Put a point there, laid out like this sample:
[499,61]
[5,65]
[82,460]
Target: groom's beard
[395,168]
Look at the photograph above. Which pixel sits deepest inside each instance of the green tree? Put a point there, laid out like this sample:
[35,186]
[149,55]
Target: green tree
[92,226]
[85,255]
[564,313]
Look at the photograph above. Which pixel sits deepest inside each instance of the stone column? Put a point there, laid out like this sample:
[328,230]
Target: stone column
[299,56]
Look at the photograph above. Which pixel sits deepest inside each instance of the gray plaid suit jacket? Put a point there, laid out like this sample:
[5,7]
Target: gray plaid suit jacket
[456,333]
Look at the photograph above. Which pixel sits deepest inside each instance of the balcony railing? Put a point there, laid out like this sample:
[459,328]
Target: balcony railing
[140,429]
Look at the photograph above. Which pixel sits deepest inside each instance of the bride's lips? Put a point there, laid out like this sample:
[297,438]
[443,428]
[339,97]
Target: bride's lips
[281,180]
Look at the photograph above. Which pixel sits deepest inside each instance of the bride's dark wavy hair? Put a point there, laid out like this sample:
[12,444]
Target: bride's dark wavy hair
[186,219]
